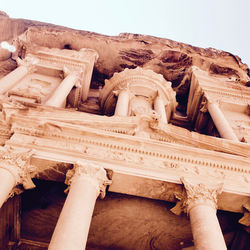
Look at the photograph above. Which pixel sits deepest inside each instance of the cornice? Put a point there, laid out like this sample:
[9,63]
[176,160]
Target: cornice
[162,158]
[123,125]
[78,136]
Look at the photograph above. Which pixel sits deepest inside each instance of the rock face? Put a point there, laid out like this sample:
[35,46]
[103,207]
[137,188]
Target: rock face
[171,59]
[119,221]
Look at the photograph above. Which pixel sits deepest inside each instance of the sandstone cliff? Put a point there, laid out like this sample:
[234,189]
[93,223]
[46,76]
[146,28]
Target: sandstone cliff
[169,58]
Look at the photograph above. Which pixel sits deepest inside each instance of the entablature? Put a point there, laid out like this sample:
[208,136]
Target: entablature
[69,136]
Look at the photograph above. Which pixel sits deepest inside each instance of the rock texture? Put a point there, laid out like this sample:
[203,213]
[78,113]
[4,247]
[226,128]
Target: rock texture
[169,58]
[119,221]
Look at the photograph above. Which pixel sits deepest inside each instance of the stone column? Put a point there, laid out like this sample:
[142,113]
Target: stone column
[25,67]
[122,104]
[7,82]
[86,181]
[159,107]
[14,170]
[221,123]
[201,205]
[8,182]
[59,96]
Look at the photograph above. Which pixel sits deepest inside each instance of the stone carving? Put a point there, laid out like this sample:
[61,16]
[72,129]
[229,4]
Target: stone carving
[29,62]
[18,164]
[144,86]
[245,220]
[89,171]
[196,194]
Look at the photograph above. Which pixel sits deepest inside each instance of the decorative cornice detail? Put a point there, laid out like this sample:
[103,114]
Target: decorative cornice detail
[123,152]
[88,171]
[18,164]
[196,194]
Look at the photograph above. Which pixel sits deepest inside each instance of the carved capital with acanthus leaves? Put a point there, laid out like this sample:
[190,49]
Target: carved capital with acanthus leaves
[18,164]
[77,74]
[195,194]
[29,62]
[90,172]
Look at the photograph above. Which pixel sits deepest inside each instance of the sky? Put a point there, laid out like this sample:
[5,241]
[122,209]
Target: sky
[220,24]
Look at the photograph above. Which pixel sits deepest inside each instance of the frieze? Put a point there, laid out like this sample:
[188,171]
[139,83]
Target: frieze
[128,148]
[134,159]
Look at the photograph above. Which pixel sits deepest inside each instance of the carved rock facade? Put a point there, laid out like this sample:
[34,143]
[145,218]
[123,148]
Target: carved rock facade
[150,119]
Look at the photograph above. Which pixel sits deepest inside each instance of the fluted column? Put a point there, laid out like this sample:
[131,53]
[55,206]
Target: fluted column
[14,170]
[59,96]
[159,107]
[122,104]
[221,123]
[86,181]
[25,67]
[201,205]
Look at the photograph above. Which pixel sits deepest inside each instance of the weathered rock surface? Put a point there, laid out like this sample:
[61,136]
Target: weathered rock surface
[169,58]
[119,221]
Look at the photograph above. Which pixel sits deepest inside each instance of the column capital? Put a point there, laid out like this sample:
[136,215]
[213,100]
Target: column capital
[18,164]
[77,74]
[123,89]
[195,194]
[91,172]
[208,101]
[29,62]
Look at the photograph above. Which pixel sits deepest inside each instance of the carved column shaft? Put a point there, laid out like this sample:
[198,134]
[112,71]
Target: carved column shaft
[201,204]
[7,82]
[8,182]
[206,228]
[159,107]
[72,228]
[221,123]
[59,96]
[122,104]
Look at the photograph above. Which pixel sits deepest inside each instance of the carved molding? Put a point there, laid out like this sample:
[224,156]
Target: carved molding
[18,164]
[88,171]
[130,154]
[58,58]
[196,194]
